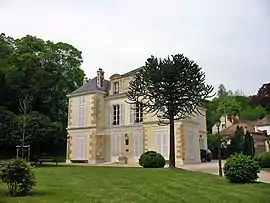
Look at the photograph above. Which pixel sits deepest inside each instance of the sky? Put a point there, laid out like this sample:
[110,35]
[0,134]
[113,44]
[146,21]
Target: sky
[229,39]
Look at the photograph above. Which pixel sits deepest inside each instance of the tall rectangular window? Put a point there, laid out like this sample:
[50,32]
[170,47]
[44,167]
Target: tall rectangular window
[115,87]
[139,112]
[82,111]
[162,144]
[116,114]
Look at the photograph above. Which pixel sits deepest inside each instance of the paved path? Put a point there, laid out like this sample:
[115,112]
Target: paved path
[212,168]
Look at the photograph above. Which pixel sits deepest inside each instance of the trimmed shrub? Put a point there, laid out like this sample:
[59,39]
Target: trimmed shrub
[152,159]
[18,176]
[264,160]
[258,159]
[241,169]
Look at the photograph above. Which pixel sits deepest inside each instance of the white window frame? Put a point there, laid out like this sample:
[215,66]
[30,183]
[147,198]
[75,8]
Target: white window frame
[116,114]
[116,88]
[138,113]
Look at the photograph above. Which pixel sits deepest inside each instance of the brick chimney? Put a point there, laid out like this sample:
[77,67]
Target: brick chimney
[100,77]
[85,80]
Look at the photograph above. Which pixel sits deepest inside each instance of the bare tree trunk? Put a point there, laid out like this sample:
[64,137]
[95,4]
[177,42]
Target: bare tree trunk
[25,106]
[23,136]
[172,144]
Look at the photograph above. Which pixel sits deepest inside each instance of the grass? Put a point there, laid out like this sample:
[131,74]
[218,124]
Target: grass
[135,185]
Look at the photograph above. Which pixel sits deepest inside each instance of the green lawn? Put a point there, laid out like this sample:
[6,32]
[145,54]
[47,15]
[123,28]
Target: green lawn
[130,185]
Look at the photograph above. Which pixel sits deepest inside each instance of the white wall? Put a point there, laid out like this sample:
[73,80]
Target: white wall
[262,128]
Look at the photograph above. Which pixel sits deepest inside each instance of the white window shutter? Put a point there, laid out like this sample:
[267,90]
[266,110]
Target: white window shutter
[79,116]
[119,144]
[109,118]
[191,146]
[159,143]
[122,114]
[165,145]
[132,114]
[83,115]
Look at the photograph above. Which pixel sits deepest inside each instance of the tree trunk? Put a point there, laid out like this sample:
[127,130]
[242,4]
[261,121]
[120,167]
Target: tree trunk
[172,144]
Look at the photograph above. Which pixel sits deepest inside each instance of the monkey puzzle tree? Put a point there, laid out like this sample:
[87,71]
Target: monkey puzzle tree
[176,83]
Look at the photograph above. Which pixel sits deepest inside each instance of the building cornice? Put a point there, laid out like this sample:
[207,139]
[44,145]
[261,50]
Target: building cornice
[81,127]
[85,93]
[116,96]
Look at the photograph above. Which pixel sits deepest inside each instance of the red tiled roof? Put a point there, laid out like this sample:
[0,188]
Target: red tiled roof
[230,131]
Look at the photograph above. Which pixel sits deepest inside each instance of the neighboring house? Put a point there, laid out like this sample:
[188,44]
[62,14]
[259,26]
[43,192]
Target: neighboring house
[103,127]
[264,125]
[225,122]
[258,136]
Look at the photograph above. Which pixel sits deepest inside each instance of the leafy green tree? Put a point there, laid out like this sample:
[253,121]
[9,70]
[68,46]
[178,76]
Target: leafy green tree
[262,98]
[212,115]
[45,70]
[43,135]
[176,83]
[228,106]
[243,100]
[253,113]
[237,141]
[8,125]
[248,148]
[222,91]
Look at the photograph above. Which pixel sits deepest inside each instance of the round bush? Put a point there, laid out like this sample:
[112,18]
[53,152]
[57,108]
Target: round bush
[264,160]
[152,159]
[241,169]
[18,176]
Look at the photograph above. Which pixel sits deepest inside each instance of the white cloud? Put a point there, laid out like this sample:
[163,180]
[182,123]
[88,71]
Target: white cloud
[230,39]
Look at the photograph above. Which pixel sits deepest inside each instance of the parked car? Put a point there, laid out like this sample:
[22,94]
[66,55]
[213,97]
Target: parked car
[206,155]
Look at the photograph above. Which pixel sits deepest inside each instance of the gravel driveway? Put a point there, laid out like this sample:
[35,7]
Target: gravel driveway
[212,168]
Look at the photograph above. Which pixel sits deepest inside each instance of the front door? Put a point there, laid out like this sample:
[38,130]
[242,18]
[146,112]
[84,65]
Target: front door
[80,140]
[138,147]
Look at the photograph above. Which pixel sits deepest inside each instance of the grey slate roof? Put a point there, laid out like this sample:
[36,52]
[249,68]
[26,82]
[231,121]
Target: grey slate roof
[131,72]
[91,86]
[264,121]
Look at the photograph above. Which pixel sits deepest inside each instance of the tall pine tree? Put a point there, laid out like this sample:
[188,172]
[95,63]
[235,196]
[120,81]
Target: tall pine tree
[176,83]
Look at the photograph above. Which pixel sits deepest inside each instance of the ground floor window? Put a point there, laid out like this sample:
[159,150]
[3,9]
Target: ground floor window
[191,144]
[163,144]
[138,144]
[80,148]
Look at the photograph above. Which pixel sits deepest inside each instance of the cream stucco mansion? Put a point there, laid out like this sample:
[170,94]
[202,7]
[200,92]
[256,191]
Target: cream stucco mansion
[103,127]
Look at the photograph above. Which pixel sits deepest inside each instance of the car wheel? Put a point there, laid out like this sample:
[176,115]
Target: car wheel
[203,159]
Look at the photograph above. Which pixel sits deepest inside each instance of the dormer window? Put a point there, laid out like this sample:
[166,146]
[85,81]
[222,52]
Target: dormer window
[115,87]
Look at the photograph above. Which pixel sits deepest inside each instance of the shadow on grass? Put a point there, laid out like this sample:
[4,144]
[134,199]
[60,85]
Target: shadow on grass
[35,193]
[48,165]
